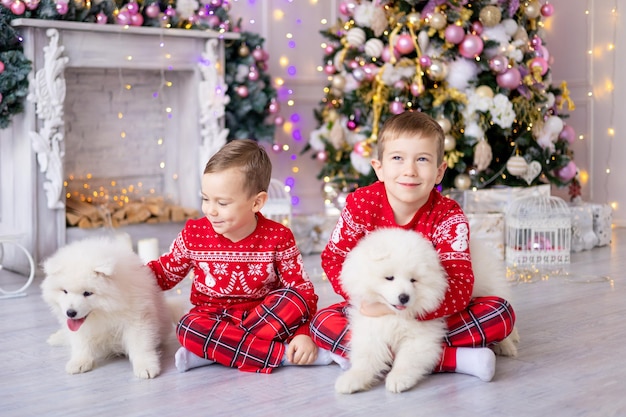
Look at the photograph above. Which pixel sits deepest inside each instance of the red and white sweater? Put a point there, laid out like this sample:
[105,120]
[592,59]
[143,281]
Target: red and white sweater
[440,220]
[235,275]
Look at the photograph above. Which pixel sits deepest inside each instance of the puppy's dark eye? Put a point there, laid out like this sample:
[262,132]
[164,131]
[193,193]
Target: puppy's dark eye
[64,291]
[389,278]
[87,293]
[413,280]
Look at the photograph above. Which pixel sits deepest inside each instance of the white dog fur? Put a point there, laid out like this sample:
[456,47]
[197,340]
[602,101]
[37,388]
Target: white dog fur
[108,303]
[401,269]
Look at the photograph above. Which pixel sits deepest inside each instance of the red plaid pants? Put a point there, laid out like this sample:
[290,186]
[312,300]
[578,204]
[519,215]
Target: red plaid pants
[485,321]
[251,340]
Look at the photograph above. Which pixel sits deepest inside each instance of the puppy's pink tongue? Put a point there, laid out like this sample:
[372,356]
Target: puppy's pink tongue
[400,307]
[74,324]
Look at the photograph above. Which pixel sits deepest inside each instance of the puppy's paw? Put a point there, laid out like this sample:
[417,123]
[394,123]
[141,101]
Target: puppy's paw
[57,338]
[350,382]
[146,368]
[506,347]
[79,365]
[397,381]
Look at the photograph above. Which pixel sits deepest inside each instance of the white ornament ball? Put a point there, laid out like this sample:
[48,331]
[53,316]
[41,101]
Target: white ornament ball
[438,21]
[517,165]
[484,91]
[374,47]
[438,70]
[355,37]
[449,143]
[462,182]
[445,124]
[339,81]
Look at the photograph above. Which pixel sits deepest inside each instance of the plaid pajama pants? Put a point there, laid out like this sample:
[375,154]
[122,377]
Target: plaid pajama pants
[251,340]
[485,321]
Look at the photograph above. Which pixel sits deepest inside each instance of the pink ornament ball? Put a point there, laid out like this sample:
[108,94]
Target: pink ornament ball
[322,156]
[153,10]
[253,75]
[1,67]
[396,107]
[498,64]
[329,69]
[274,106]
[329,49]
[18,8]
[404,44]
[425,61]
[543,52]
[31,4]
[567,172]
[6,3]
[536,42]
[123,18]
[0,97]
[477,27]
[416,89]
[568,134]
[216,3]
[347,7]
[170,11]
[454,34]
[62,8]
[102,18]
[509,79]
[136,19]
[212,21]
[132,7]
[539,62]
[471,46]
[279,121]
[387,54]
[547,10]
[351,125]
[242,91]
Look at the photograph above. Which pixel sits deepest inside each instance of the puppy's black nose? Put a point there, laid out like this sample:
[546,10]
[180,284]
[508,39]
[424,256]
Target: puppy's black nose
[71,313]
[403,298]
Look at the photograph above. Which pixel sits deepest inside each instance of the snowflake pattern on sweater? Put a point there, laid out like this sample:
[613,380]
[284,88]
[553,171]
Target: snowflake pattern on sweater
[230,274]
[441,220]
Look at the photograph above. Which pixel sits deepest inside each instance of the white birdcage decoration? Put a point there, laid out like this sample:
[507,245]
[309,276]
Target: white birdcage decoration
[278,205]
[538,231]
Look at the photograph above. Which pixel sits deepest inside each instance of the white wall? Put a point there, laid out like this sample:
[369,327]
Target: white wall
[570,33]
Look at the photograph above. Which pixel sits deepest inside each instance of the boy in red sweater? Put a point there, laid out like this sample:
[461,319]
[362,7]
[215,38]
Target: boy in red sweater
[252,299]
[409,164]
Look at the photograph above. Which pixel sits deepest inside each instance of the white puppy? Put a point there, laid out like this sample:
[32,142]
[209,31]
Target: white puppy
[108,303]
[400,269]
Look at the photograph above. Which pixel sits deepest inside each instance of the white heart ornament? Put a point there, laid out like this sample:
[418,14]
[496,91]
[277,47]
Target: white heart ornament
[534,169]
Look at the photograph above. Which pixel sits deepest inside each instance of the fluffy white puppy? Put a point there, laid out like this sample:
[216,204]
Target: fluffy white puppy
[108,303]
[400,269]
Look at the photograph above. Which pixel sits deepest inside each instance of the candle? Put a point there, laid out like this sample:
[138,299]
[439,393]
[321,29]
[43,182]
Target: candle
[148,249]
[124,239]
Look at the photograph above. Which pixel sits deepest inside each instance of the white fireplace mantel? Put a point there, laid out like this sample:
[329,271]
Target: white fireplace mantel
[31,149]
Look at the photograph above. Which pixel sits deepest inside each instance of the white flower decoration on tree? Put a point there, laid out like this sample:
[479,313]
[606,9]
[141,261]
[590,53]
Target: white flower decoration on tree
[372,16]
[186,8]
[502,112]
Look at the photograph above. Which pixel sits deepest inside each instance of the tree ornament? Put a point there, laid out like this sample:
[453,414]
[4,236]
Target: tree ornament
[532,9]
[274,106]
[242,91]
[568,172]
[374,47]
[153,10]
[123,18]
[484,91]
[355,37]
[517,165]
[132,7]
[498,64]
[1,67]
[413,18]
[482,155]
[18,8]
[534,169]
[136,19]
[547,10]
[449,143]
[388,53]
[404,44]
[396,107]
[416,89]
[568,134]
[445,124]
[351,125]
[259,54]
[540,63]
[462,182]
[438,21]
[31,4]
[490,15]
[471,46]
[437,70]
[243,50]
[454,34]
[347,7]
[509,79]
[425,61]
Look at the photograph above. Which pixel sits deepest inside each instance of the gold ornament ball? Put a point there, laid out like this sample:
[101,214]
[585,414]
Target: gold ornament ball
[437,70]
[490,16]
[484,91]
[449,143]
[414,18]
[445,124]
[332,115]
[462,182]
[532,9]
[517,165]
[244,51]
[339,81]
[438,21]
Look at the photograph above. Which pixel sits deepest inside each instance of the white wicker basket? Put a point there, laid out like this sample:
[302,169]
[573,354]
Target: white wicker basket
[538,231]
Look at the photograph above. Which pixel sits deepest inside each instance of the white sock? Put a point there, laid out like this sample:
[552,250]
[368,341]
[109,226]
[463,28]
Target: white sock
[186,360]
[323,358]
[344,363]
[479,362]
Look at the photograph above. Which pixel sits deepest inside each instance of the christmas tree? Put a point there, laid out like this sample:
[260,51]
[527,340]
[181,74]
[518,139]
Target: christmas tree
[252,110]
[480,68]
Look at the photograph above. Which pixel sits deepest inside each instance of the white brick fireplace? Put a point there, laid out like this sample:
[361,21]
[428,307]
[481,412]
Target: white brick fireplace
[100,105]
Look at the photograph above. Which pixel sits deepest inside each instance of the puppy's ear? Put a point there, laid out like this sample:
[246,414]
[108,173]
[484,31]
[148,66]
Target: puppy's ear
[379,254]
[105,269]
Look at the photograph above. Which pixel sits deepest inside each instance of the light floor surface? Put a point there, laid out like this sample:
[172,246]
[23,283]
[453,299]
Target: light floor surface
[571,363]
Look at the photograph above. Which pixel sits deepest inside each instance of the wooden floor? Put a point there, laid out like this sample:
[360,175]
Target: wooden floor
[571,363]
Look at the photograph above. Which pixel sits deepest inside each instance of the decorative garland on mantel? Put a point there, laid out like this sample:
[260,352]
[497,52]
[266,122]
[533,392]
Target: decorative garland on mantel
[252,110]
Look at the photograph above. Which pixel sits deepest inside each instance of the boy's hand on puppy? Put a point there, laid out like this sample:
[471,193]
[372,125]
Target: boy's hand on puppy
[374,309]
[301,350]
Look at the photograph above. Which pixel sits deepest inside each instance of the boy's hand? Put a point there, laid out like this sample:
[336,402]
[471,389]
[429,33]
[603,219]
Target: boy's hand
[374,309]
[301,350]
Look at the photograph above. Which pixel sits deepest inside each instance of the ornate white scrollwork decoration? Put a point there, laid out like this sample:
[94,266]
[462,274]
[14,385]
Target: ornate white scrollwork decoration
[48,94]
